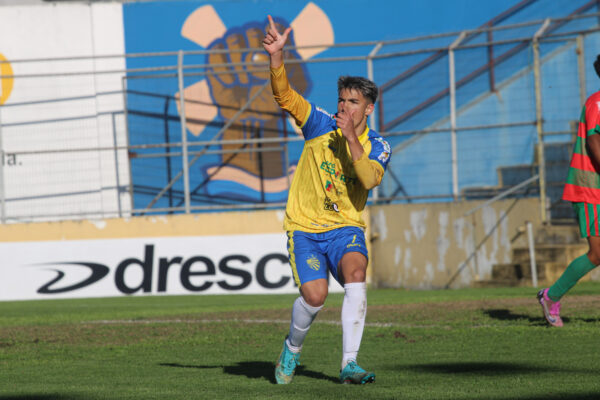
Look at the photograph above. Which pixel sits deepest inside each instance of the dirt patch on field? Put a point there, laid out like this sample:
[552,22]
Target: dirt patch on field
[456,314]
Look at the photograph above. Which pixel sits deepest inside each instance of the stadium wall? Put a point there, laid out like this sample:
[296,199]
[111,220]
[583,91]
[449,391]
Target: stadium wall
[426,246]
[47,103]
[411,246]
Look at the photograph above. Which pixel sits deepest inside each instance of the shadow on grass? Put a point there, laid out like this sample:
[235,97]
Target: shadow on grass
[255,370]
[491,369]
[586,320]
[176,365]
[507,315]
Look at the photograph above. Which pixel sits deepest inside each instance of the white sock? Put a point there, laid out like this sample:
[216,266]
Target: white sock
[354,311]
[303,315]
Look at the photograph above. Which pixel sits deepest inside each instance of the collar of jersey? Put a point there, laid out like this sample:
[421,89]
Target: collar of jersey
[364,135]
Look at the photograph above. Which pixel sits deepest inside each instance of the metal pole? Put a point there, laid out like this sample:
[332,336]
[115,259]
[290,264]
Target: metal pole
[186,175]
[372,117]
[490,51]
[370,75]
[126,116]
[538,119]
[453,114]
[581,69]
[534,280]
[116,153]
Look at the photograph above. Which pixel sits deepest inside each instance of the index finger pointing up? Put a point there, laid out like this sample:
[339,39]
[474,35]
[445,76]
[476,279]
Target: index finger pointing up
[272,23]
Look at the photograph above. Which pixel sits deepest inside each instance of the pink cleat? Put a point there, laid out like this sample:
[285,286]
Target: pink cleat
[551,308]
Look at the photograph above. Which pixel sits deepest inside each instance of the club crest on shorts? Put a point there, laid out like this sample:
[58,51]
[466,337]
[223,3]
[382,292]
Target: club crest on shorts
[313,262]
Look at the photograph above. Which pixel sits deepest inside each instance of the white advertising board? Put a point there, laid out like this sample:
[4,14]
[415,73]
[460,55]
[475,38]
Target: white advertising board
[244,264]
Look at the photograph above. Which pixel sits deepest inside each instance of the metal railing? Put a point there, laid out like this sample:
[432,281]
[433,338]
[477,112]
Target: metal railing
[147,180]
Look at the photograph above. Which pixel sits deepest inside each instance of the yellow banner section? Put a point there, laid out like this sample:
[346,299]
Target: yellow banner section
[206,224]
[6,84]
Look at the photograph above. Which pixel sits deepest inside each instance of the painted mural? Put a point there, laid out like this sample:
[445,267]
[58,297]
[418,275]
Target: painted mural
[231,104]
[213,100]
[224,96]
[216,94]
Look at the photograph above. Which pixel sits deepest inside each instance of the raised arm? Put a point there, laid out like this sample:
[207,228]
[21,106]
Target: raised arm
[284,95]
[274,42]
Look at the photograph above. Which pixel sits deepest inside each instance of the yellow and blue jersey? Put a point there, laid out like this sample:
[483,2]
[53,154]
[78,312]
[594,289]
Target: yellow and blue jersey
[326,192]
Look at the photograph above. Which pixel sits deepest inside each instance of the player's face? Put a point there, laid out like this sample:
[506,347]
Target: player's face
[351,100]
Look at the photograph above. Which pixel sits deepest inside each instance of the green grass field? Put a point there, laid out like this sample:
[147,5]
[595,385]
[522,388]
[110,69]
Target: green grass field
[459,344]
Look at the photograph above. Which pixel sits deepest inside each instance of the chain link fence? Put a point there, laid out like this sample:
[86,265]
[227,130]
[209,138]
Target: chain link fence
[469,115]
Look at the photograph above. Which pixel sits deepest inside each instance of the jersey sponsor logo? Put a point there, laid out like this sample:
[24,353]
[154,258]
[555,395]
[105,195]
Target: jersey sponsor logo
[353,244]
[313,262]
[329,167]
[330,187]
[324,112]
[383,157]
[598,105]
[387,150]
[330,205]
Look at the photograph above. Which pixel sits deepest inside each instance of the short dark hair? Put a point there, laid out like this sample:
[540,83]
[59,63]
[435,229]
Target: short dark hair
[597,65]
[366,87]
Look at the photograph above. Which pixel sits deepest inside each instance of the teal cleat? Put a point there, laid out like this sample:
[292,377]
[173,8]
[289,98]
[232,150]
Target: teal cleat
[352,373]
[286,365]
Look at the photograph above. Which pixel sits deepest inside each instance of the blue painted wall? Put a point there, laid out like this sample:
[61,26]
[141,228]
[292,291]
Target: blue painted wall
[424,167]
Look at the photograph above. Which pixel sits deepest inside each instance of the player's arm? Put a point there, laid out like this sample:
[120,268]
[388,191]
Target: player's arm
[284,95]
[369,172]
[593,142]
[592,117]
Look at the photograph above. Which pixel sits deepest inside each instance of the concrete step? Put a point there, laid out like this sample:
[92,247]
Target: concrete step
[560,253]
[507,272]
[521,271]
[547,273]
[559,234]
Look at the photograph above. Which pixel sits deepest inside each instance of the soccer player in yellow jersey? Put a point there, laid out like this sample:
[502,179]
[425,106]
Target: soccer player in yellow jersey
[341,161]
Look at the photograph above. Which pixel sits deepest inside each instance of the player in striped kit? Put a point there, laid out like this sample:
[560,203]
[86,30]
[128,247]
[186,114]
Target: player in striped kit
[341,161]
[583,190]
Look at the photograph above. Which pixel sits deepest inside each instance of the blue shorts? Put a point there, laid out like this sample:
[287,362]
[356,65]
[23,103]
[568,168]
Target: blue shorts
[312,254]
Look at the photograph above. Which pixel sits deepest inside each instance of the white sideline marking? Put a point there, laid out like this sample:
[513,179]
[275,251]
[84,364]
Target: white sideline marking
[209,321]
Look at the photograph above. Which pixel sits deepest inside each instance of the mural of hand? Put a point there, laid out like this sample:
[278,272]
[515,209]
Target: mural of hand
[232,86]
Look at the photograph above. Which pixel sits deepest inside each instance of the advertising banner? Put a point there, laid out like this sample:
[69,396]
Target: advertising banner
[240,264]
